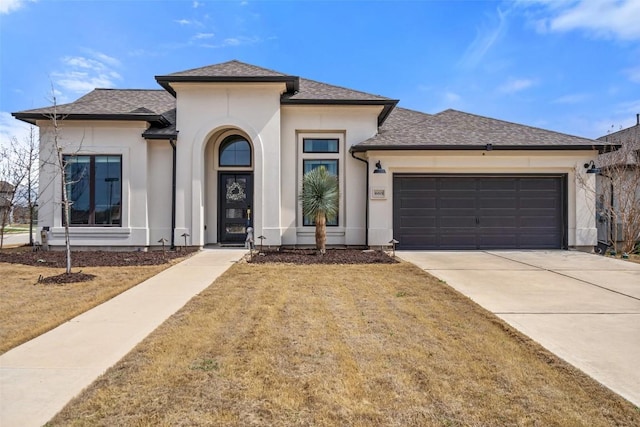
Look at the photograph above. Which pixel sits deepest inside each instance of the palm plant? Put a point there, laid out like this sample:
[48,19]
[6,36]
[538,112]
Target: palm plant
[319,199]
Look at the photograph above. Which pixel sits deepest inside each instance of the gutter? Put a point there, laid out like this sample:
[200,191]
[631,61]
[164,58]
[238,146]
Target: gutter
[173,195]
[366,205]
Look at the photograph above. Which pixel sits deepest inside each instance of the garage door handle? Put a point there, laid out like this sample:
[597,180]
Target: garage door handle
[477,220]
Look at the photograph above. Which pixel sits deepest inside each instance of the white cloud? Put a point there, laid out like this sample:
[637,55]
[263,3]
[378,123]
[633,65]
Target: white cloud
[82,73]
[182,21]
[603,18]
[515,85]
[574,98]
[451,97]
[485,39]
[197,4]
[11,128]
[633,74]
[234,42]
[8,6]
[201,36]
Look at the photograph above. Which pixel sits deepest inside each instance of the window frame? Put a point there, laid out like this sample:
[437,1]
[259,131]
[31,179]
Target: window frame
[310,222]
[91,215]
[228,141]
[305,151]
[303,156]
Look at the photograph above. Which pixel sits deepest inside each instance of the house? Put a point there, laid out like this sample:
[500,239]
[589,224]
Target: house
[618,189]
[225,146]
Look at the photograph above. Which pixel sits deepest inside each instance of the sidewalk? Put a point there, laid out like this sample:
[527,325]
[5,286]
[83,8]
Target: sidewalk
[41,376]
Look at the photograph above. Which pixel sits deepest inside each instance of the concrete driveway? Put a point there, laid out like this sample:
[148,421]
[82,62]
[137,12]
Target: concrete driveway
[584,308]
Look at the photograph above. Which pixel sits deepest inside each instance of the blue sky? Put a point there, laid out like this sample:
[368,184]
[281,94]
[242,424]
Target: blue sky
[567,65]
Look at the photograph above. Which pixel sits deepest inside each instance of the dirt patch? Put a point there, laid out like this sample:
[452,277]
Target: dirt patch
[332,256]
[26,256]
[66,278]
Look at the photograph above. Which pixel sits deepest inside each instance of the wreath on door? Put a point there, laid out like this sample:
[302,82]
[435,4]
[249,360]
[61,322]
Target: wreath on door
[235,192]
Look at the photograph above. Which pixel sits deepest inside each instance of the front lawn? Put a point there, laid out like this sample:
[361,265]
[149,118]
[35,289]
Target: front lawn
[29,308]
[340,345]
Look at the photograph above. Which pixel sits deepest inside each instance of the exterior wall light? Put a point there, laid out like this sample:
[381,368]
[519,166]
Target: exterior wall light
[591,167]
[379,168]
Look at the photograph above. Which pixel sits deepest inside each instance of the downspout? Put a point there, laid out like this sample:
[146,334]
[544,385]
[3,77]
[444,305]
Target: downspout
[366,205]
[173,195]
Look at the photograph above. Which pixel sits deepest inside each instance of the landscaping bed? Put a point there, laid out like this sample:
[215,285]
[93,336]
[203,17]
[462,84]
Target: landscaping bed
[25,256]
[312,256]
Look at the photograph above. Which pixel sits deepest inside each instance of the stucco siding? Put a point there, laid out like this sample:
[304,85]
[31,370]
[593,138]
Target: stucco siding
[203,110]
[353,125]
[91,138]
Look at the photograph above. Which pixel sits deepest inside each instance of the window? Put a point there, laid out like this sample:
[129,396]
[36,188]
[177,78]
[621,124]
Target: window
[235,151]
[332,167]
[313,145]
[94,188]
[316,150]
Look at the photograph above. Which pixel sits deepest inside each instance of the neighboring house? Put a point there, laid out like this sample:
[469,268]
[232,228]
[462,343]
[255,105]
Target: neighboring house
[6,198]
[225,146]
[618,187]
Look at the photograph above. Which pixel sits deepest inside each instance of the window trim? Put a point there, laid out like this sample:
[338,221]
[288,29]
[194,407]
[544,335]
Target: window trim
[338,156]
[92,190]
[229,140]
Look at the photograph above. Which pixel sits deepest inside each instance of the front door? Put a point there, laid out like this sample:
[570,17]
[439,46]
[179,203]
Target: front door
[235,200]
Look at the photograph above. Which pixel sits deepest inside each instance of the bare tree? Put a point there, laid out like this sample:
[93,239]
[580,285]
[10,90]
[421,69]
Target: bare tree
[12,176]
[618,189]
[60,165]
[26,159]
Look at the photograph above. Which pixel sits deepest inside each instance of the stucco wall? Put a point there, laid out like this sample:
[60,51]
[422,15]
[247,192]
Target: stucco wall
[106,137]
[581,186]
[204,110]
[354,125]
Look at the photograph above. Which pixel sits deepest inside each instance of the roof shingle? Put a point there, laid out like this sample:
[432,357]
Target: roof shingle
[451,129]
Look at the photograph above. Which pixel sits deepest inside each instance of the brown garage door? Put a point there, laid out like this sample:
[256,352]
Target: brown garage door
[479,212]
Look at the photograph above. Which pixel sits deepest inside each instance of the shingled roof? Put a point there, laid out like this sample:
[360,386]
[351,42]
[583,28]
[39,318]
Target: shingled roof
[298,90]
[629,153]
[110,104]
[455,130]
[399,128]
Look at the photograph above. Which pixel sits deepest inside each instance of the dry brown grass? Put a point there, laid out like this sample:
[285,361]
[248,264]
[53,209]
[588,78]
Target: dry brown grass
[361,345]
[28,308]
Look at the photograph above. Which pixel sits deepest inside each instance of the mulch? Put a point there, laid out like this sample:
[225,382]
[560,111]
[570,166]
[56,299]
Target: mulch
[332,256]
[81,259]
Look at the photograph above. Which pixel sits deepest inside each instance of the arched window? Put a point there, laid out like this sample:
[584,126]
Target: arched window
[235,151]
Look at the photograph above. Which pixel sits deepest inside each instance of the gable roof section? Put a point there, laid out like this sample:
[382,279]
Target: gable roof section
[629,142]
[110,104]
[227,72]
[454,130]
[299,91]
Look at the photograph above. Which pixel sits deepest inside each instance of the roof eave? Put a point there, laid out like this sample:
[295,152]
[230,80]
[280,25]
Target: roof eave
[151,118]
[292,82]
[364,148]
[388,104]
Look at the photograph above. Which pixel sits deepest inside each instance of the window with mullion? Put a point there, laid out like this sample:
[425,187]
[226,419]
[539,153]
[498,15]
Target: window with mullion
[331,165]
[94,188]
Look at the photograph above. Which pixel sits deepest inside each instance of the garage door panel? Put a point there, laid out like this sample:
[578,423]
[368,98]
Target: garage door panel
[419,222]
[478,212]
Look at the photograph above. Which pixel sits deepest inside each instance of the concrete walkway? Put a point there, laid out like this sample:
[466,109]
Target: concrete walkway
[584,308]
[41,376]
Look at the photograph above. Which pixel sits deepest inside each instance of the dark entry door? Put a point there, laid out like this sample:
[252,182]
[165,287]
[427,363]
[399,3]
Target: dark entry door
[479,212]
[235,199]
